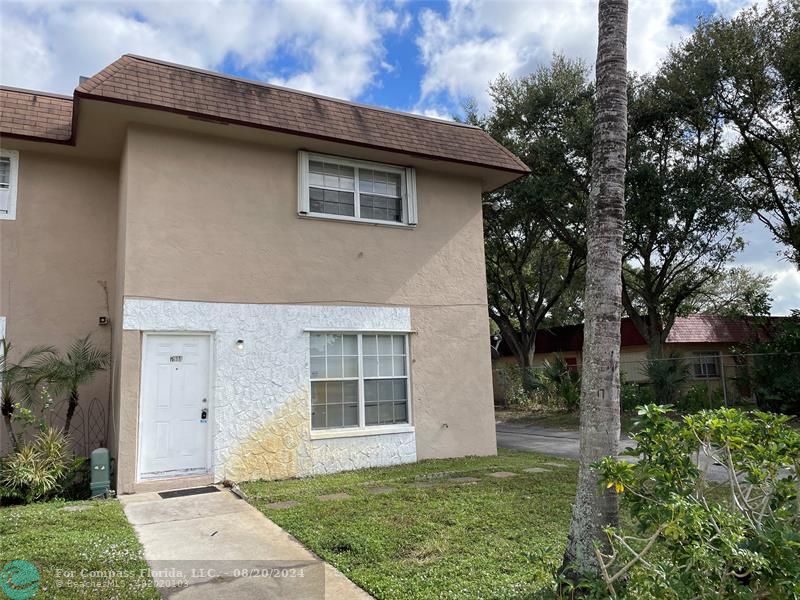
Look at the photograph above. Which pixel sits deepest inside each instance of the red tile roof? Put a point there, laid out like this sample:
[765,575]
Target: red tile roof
[35,115]
[694,329]
[164,86]
[709,328]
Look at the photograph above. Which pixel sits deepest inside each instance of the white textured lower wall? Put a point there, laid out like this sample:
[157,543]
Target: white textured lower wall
[345,454]
[261,407]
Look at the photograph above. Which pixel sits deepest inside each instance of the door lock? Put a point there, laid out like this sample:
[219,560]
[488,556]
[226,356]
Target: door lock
[204,415]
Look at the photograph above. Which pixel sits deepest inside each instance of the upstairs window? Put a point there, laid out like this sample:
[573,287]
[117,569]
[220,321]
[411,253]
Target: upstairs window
[9,161]
[352,190]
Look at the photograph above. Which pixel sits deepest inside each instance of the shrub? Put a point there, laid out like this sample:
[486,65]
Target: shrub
[38,470]
[700,396]
[696,538]
[632,395]
[776,369]
[667,376]
[562,384]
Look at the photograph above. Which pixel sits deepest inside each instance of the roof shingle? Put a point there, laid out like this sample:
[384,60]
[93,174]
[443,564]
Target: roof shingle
[28,114]
[163,86]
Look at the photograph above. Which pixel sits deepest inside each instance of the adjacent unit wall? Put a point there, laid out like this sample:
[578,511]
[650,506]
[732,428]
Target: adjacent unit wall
[57,256]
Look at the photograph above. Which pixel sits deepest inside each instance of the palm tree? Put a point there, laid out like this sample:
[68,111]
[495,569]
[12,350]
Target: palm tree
[19,379]
[595,509]
[68,373]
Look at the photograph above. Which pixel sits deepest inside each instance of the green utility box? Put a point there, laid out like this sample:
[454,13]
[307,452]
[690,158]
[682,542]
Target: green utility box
[100,469]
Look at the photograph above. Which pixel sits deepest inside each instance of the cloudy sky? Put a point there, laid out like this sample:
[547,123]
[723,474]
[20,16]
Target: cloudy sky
[424,56]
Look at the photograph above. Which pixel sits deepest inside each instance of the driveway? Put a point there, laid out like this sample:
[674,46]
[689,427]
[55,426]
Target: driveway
[215,545]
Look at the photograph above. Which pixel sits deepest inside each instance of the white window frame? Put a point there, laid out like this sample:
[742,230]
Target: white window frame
[408,189]
[362,429]
[702,359]
[13,155]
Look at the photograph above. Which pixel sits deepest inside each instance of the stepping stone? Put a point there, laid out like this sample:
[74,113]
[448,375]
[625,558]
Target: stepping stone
[380,490]
[284,504]
[464,480]
[338,496]
[429,476]
[536,470]
[502,474]
[553,464]
[422,484]
[76,508]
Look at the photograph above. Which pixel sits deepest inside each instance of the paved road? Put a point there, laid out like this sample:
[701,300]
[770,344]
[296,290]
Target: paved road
[565,444]
[555,442]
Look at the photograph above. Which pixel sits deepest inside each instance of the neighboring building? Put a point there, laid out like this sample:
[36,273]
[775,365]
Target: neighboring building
[291,284]
[705,342]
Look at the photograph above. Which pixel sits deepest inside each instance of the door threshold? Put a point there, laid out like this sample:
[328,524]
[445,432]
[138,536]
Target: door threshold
[175,483]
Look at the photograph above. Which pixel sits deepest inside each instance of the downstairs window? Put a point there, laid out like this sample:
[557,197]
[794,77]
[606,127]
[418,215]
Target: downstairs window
[358,380]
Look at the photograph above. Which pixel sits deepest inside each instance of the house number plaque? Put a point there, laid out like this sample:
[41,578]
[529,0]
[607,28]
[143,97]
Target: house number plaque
[176,358]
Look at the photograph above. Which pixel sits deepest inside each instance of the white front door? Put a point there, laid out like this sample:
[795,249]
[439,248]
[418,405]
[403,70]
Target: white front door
[175,406]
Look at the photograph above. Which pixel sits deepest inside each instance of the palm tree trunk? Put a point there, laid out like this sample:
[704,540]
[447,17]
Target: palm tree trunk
[11,435]
[73,403]
[594,508]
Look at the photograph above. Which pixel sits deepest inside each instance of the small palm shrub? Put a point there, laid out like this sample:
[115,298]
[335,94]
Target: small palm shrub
[667,377]
[563,384]
[19,381]
[38,470]
[78,366]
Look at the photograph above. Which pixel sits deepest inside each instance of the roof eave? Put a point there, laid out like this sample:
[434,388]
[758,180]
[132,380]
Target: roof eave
[80,94]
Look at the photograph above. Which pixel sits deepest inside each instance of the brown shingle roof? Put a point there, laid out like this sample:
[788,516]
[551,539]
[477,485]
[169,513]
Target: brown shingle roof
[35,115]
[163,86]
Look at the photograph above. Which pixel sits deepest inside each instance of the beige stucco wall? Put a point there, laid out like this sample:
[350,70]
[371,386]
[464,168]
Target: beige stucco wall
[215,220]
[53,255]
[223,215]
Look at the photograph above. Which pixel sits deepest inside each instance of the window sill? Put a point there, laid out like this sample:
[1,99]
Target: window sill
[342,219]
[358,432]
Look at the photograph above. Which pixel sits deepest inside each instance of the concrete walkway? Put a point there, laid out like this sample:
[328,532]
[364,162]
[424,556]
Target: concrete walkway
[215,546]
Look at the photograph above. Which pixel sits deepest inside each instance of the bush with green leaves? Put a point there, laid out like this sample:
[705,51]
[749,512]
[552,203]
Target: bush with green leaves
[40,469]
[700,396]
[633,394]
[730,536]
[520,385]
[776,368]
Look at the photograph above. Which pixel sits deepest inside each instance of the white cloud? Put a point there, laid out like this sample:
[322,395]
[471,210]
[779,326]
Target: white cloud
[762,254]
[479,39]
[336,46]
[728,8]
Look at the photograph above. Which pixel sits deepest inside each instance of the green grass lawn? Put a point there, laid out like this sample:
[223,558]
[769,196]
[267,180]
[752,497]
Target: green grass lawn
[81,544]
[498,538]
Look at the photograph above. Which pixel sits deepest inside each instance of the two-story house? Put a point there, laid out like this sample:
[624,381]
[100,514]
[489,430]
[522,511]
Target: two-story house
[290,284]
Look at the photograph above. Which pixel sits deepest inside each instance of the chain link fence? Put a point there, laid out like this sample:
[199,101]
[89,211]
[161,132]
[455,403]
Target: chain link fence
[692,380]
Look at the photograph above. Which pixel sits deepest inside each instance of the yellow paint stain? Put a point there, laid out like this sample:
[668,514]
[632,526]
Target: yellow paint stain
[271,451]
